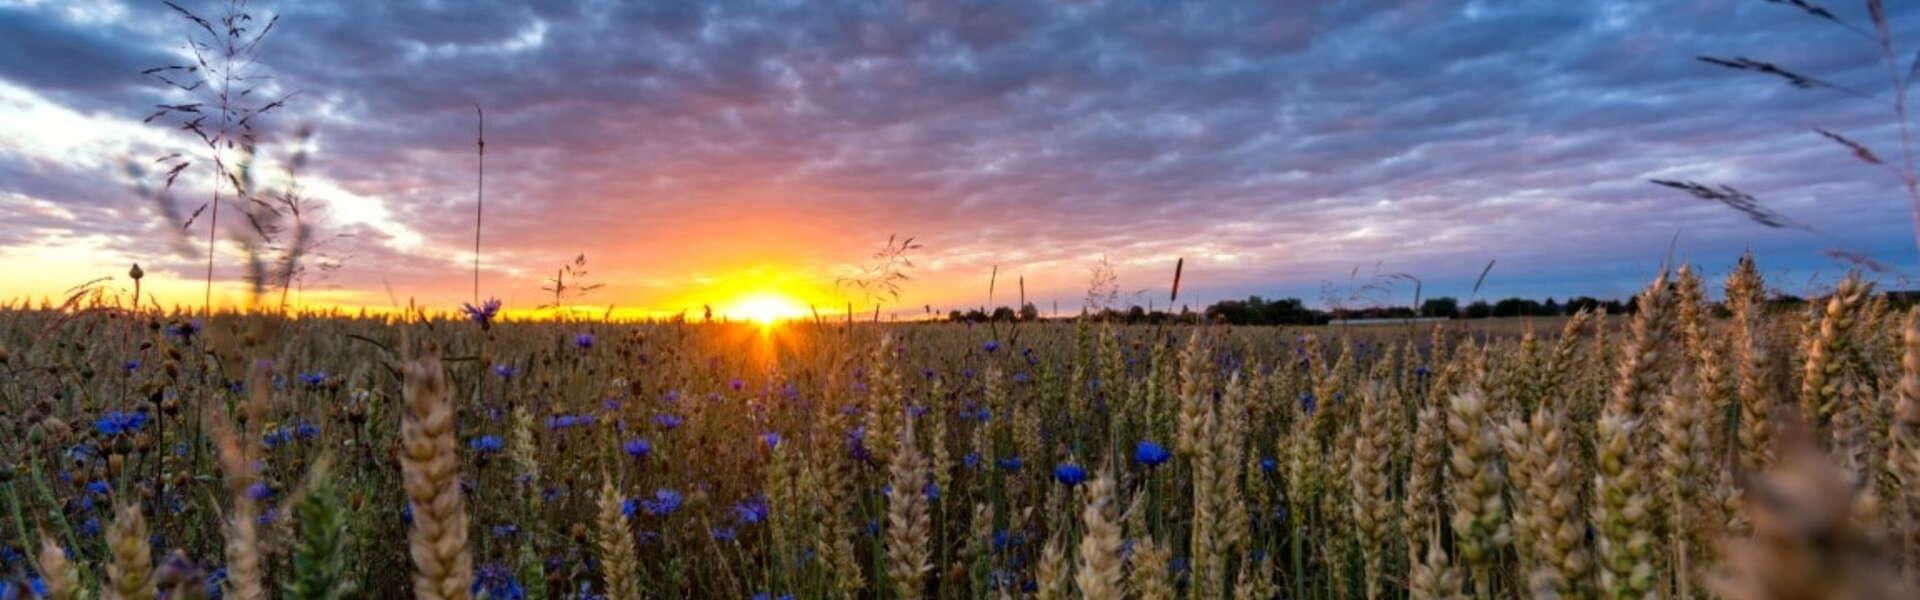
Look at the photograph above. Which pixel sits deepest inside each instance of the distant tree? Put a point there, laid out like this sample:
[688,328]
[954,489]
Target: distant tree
[1003,314]
[1136,314]
[1444,307]
[956,316]
[1028,312]
[1516,307]
[1479,310]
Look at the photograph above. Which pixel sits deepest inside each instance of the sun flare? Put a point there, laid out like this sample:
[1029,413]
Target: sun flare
[765,308]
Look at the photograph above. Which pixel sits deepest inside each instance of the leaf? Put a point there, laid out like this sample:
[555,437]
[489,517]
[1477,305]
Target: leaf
[193,217]
[1737,200]
[203,23]
[1742,63]
[1483,277]
[174,173]
[1859,151]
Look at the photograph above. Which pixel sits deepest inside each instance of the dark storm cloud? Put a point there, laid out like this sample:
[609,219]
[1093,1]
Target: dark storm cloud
[1273,142]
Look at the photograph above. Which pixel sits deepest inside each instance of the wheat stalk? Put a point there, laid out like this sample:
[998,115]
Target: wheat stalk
[909,524]
[619,568]
[430,465]
[1099,576]
[130,570]
[60,575]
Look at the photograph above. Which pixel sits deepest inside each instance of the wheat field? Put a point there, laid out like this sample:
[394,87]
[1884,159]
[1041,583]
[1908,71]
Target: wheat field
[1734,449]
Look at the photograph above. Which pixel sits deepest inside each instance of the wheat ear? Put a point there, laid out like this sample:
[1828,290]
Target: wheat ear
[430,467]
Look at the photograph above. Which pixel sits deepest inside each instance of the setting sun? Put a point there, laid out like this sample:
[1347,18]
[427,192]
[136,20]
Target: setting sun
[765,308]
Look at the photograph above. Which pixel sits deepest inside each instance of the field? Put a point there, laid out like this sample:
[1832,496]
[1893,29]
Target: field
[458,456]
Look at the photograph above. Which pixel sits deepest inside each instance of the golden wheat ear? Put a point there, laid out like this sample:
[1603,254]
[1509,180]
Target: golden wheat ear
[1807,540]
[430,465]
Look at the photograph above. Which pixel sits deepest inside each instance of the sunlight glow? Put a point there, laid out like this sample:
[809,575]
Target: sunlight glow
[765,308]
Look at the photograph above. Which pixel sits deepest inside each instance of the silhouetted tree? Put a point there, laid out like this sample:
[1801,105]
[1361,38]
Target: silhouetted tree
[1444,307]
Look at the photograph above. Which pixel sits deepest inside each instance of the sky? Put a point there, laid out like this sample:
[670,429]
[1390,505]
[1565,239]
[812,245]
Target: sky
[723,153]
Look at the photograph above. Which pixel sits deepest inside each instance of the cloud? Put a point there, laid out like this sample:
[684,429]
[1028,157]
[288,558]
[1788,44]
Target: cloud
[1276,147]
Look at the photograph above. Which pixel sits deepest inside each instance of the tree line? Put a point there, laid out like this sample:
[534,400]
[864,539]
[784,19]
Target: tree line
[1255,310]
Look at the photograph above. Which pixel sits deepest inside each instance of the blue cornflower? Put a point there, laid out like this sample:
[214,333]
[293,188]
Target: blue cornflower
[1022,377]
[1269,464]
[184,331]
[483,314]
[1011,463]
[314,379]
[494,581]
[663,503]
[1150,454]
[98,486]
[131,365]
[751,511]
[487,444]
[259,491]
[668,420]
[583,340]
[932,490]
[637,448]
[505,371]
[1070,474]
[724,534]
[991,346]
[120,422]
[971,461]
[771,438]
[277,437]
[306,430]
[737,384]
[506,531]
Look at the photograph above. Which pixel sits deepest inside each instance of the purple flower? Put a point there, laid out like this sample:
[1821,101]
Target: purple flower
[495,582]
[751,511]
[637,448]
[668,420]
[772,439]
[663,503]
[483,314]
[584,340]
[505,371]
[1070,474]
[120,422]
[1150,454]
[486,444]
